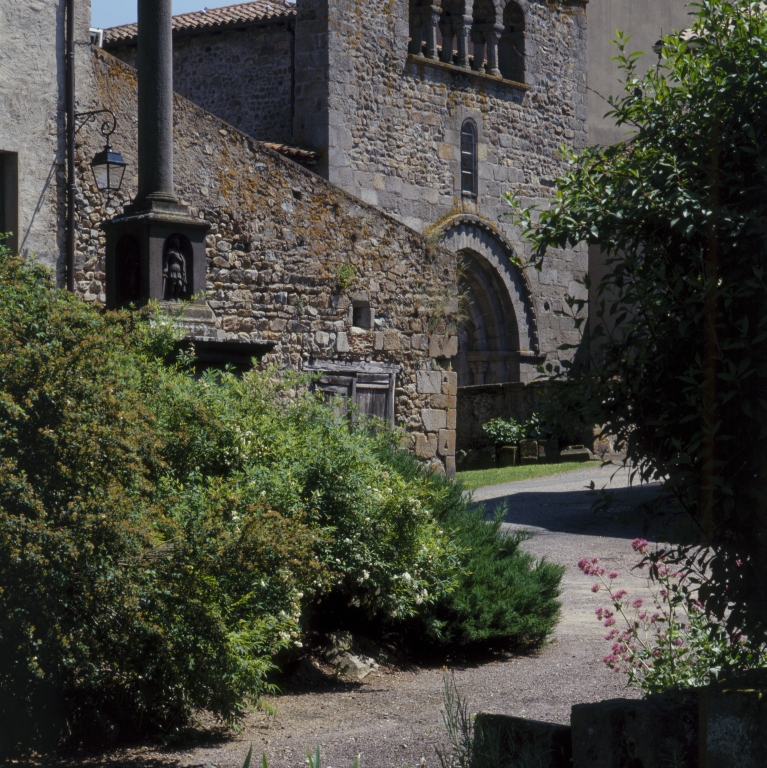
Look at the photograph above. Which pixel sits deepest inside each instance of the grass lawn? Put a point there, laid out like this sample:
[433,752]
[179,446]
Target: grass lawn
[481,477]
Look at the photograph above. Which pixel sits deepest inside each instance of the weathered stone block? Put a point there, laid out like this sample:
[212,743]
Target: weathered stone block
[434,419]
[426,446]
[528,451]
[342,342]
[452,418]
[392,341]
[378,340]
[507,456]
[443,346]
[654,732]
[576,453]
[443,401]
[428,382]
[507,740]
[449,383]
[450,466]
[548,451]
[447,442]
[733,723]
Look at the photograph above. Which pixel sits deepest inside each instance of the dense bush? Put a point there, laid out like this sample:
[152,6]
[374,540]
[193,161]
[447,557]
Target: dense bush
[163,535]
[503,596]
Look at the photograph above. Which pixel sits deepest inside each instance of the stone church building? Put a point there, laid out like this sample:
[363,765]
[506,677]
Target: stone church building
[429,113]
[347,160]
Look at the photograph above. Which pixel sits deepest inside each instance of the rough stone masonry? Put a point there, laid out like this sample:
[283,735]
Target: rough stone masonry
[281,240]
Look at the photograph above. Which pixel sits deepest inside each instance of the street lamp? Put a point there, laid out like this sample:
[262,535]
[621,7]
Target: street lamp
[108,166]
[108,169]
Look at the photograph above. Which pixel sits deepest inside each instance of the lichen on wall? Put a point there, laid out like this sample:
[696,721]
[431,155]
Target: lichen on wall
[279,234]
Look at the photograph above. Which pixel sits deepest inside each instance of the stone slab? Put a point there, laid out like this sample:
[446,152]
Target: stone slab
[528,451]
[507,456]
[651,733]
[507,740]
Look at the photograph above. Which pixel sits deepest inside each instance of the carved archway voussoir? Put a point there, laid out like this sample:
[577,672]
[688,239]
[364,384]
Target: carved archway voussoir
[466,232]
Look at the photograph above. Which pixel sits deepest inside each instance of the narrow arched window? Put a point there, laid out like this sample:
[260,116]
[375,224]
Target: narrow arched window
[511,48]
[469,158]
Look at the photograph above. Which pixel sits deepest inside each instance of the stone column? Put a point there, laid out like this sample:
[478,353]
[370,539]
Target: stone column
[478,38]
[462,31]
[155,101]
[432,19]
[416,42]
[493,35]
[446,29]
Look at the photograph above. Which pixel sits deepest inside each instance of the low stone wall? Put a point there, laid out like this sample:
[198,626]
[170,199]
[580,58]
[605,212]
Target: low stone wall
[721,726]
[480,403]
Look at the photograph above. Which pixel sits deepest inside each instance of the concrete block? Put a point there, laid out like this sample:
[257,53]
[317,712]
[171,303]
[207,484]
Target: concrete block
[426,446]
[507,740]
[433,419]
[507,456]
[528,451]
[654,732]
[428,382]
[447,442]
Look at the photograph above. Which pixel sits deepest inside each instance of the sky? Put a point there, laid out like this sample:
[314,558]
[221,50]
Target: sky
[111,13]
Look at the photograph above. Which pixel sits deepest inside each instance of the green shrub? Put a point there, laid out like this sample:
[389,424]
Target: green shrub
[502,595]
[508,432]
[503,432]
[164,536]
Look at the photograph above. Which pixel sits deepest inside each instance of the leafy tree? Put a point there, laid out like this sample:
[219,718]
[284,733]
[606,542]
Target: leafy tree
[678,356]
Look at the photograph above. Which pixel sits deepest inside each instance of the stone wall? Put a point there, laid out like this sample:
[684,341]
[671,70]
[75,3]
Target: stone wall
[479,404]
[280,236]
[390,124]
[32,120]
[243,76]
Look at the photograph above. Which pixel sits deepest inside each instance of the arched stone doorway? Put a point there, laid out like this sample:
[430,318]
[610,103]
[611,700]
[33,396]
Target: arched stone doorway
[497,339]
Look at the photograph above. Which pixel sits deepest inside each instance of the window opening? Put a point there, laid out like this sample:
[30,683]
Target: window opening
[362,316]
[9,192]
[511,49]
[469,159]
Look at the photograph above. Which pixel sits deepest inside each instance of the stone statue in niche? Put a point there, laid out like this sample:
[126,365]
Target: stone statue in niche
[174,269]
[128,258]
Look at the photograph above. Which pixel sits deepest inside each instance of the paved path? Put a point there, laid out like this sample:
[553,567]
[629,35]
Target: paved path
[394,720]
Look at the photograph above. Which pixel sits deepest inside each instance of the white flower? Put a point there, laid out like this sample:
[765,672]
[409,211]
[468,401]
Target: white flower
[406,576]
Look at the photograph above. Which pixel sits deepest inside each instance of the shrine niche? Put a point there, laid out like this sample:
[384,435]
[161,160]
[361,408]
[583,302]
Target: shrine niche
[128,287]
[176,267]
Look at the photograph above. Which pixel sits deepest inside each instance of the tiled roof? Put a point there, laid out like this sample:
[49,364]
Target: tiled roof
[211,19]
[302,156]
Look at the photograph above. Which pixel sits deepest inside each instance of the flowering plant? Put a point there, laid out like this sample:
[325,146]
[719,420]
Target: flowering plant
[673,642]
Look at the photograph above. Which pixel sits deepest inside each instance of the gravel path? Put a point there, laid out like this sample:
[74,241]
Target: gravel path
[393,718]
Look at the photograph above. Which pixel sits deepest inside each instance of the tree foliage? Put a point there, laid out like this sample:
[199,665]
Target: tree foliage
[678,355]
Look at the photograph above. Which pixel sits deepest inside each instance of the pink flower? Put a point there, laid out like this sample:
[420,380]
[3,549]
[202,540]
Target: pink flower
[595,588]
[599,612]
[636,603]
[678,642]
[619,594]
[640,546]
[613,574]
[609,622]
